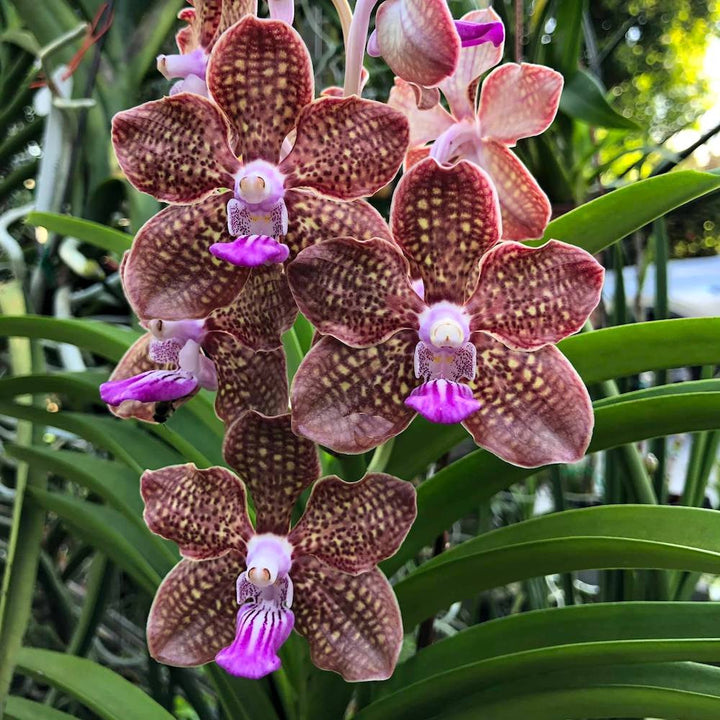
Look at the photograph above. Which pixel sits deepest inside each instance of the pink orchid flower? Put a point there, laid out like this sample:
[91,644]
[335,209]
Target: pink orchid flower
[478,348]
[207,20]
[516,101]
[228,157]
[169,364]
[240,590]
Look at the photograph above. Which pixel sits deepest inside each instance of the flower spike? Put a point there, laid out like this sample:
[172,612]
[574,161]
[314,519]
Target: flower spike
[320,576]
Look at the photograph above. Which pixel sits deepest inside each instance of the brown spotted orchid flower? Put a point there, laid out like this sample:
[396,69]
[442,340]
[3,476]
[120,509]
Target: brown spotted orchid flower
[516,101]
[240,589]
[230,157]
[206,21]
[477,348]
[175,358]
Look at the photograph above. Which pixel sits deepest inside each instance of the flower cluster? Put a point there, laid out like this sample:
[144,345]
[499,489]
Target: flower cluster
[441,312]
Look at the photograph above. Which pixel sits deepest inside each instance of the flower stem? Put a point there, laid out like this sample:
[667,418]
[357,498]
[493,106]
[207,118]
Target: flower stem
[355,47]
[345,14]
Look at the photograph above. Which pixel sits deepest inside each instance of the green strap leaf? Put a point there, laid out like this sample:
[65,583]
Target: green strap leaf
[18,708]
[611,536]
[611,217]
[106,693]
[93,233]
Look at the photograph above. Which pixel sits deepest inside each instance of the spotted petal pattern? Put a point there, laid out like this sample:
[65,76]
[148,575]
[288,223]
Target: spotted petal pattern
[246,379]
[170,272]
[315,218]
[352,400]
[203,511]
[530,297]
[524,207]
[518,101]
[276,464]
[175,149]
[193,614]
[535,408]
[417,39]
[346,147]
[261,313]
[425,125]
[359,292]
[445,219]
[260,74]
[352,623]
[353,526]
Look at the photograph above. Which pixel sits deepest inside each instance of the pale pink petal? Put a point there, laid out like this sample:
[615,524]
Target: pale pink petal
[518,101]
[425,125]
[460,88]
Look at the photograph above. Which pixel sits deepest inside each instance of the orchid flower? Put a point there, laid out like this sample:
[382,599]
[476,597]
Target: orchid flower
[516,101]
[227,157]
[478,348]
[240,589]
[209,353]
[207,20]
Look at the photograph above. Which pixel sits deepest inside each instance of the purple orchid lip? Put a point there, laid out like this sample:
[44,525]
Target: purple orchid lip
[472,33]
[150,386]
[181,66]
[251,251]
[443,401]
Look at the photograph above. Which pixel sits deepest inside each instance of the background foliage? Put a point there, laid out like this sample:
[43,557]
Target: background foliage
[578,591]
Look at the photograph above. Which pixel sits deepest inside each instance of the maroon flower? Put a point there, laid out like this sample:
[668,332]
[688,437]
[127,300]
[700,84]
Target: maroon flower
[240,589]
[478,348]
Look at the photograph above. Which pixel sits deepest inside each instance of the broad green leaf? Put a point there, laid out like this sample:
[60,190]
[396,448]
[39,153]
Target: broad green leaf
[673,691]
[611,217]
[107,694]
[583,98]
[124,439]
[136,551]
[545,640]
[680,388]
[242,699]
[610,536]
[93,233]
[600,355]
[462,486]
[117,484]
[18,708]
[567,38]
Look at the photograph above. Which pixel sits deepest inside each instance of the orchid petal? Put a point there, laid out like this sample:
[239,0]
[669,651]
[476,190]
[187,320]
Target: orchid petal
[443,401]
[352,400]
[261,313]
[356,291]
[346,147]
[425,125]
[276,464]
[417,39]
[134,362]
[524,207]
[461,87]
[247,380]
[445,219]
[233,11]
[530,297]
[260,74]
[193,614]
[262,628]
[535,408]
[352,622]
[203,511]
[282,10]
[251,251]
[519,101]
[353,526]
[414,155]
[175,149]
[315,218]
[170,273]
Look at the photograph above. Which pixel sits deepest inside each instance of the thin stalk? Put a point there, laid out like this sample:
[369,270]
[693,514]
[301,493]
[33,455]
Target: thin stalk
[519,29]
[355,47]
[557,483]
[380,457]
[344,12]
